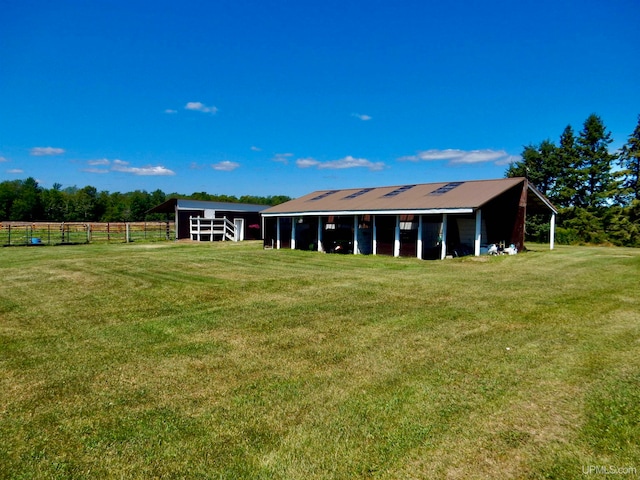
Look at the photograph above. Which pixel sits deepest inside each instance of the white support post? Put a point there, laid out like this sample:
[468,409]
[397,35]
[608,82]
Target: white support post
[277,233]
[126,232]
[443,245]
[176,224]
[293,233]
[396,241]
[478,238]
[374,246]
[320,247]
[552,231]
[355,234]
[419,246]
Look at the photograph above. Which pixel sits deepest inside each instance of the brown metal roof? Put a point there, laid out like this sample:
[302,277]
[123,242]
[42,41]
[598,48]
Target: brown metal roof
[467,195]
[185,203]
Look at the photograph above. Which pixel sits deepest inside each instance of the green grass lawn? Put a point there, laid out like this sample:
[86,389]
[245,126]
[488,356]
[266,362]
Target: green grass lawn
[224,360]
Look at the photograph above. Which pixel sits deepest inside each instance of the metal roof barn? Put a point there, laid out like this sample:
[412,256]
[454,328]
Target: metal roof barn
[430,220]
[209,221]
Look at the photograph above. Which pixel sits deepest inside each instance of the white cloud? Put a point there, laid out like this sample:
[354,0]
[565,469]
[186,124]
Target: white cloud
[508,160]
[149,170]
[225,166]
[122,166]
[170,111]
[44,151]
[282,157]
[15,170]
[460,157]
[362,117]
[200,107]
[256,149]
[3,159]
[346,162]
[101,161]
[307,162]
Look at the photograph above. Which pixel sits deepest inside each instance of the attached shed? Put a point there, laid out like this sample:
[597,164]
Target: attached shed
[427,221]
[243,219]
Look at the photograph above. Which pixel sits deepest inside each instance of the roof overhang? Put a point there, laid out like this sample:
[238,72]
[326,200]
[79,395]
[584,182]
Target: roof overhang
[327,213]
[174,204]
[419,199]
[539,200]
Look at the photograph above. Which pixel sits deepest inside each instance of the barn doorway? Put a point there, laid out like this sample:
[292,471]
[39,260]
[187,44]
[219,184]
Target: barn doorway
[239,224]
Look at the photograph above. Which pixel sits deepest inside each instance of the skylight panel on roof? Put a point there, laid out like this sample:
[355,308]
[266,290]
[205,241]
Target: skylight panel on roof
[445,188]
[398,191]
[323,195]
[358,193]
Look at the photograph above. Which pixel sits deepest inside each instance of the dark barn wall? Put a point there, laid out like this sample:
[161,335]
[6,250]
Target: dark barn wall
[431,239]
[285,232]
[252,222]
[385,234]
[307,234]
[184,225]
[269,233]
[504,217]
[338,239]
[365,234]
[408,235]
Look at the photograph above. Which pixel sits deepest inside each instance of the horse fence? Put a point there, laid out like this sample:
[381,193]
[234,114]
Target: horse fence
[47,233]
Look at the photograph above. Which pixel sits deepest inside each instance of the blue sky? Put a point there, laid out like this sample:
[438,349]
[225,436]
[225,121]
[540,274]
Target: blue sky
[286,97]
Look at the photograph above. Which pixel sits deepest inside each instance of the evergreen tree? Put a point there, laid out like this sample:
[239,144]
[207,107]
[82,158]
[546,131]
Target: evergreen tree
[630,163]
[538,165]
[598,185]
[567,184]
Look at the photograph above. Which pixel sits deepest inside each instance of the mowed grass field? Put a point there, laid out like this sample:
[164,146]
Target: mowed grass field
[229,361]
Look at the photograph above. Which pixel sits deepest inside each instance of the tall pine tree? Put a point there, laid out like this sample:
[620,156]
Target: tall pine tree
[597,183]
[568,182]
[630,163]
[537,165]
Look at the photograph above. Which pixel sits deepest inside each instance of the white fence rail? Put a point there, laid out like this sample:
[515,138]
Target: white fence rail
[211,229]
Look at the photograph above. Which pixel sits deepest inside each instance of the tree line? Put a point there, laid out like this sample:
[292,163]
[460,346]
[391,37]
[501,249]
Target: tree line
[596,191]
[25,200]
